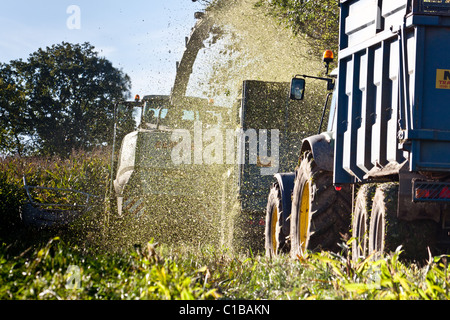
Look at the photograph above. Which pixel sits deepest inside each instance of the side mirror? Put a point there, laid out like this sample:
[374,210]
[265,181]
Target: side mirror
[330,85]
[297,89]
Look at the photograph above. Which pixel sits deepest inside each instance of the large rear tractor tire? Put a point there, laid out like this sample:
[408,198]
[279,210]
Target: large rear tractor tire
[275,241]
[360,221]
[320,215]
[387,232]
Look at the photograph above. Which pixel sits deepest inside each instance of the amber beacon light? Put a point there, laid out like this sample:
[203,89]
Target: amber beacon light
[328,56]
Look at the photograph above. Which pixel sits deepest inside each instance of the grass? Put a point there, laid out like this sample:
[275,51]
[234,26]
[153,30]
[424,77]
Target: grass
[58,270]
[84,263]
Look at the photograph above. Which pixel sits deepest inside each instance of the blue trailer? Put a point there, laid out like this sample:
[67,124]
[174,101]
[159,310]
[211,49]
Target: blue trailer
[380,173]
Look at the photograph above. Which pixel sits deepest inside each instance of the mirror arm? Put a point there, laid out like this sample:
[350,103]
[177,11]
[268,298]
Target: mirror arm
[330,83]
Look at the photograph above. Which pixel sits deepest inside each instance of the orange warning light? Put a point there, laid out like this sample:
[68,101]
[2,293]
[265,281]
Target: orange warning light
[328,56]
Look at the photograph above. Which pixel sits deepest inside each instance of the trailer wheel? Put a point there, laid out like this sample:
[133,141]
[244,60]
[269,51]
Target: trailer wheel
[387,232]
[360,221]
[275,241]
[320,215]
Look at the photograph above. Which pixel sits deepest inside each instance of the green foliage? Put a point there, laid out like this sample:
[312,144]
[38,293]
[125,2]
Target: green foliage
[323,276]
[317,20]
[191,272]
[45,274]
[60,99]
[11,197]
[84,171]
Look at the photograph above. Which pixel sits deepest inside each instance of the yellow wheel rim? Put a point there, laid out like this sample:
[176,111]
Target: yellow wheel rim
[273,229]
[304,218]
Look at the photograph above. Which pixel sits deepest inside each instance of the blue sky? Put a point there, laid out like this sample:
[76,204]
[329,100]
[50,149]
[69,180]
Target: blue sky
[143,38]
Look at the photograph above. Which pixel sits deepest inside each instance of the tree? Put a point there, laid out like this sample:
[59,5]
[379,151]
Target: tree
[62,98]
[317,20]
[12,107]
